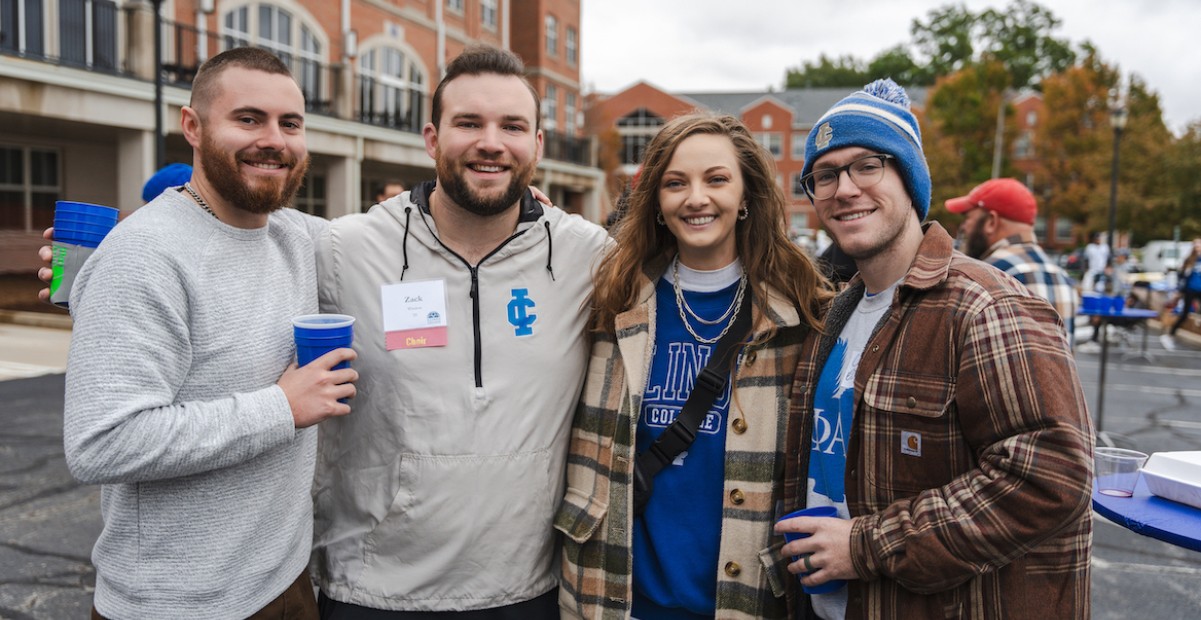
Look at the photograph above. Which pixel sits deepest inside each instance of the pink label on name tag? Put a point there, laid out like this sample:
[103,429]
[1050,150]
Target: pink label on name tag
[415,338]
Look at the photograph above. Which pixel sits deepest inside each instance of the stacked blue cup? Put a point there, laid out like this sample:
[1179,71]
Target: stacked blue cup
[318,334]
[79,228]
[818,511]
[80,223]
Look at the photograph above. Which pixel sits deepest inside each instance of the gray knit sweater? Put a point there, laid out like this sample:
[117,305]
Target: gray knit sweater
[182,328]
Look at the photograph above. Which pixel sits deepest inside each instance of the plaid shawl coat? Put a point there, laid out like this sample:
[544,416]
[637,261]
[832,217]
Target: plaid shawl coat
[596,514]
[969,464]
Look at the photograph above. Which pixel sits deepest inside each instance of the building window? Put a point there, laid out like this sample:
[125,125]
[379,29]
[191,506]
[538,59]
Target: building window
[1031,118]
[87,31]
[552,35]
[1022,146]
[796,189]
[798,146]
[311,197]
[572,46]
[391,89]
[29,185]
[550,107]
[766,121]
[636,130]
[772,141]
[570,123]
[455,6]
[22,24]
[488,14]
[273,28]
[1063,228]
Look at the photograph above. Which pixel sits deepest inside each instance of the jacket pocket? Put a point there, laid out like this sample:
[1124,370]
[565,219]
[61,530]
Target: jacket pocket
[579,515]
[911,439]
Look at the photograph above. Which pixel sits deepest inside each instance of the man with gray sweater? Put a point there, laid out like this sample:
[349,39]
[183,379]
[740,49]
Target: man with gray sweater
[175,400]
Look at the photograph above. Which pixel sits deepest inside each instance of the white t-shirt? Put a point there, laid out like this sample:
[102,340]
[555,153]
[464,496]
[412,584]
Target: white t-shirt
[833,410]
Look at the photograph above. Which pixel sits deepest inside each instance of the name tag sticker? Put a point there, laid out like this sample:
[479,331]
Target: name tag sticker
[911,443]
[414,314]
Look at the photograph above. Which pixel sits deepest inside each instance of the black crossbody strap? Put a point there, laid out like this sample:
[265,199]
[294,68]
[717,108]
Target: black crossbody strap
[710,383]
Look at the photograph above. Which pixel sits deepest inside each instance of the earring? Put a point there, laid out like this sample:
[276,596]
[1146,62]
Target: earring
[744,212]
[659,218]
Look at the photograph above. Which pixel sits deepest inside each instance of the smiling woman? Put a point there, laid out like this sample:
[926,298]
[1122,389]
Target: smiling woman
[702,245]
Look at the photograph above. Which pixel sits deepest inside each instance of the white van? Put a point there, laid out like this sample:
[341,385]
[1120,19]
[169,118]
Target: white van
[1163,256]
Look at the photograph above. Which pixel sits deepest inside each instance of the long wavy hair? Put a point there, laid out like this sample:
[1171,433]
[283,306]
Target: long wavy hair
[768,257]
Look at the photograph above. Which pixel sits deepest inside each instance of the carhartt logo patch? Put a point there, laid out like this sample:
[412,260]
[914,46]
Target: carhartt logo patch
[911,443]
[825,133]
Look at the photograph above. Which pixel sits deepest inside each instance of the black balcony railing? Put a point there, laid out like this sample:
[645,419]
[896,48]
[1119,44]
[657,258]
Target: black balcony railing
[562,147]
[87,34]
[319,82]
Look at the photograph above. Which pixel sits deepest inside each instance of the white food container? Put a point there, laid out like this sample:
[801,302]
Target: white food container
[1175,476]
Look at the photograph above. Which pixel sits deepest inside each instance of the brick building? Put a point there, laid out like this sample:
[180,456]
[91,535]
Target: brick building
[77,94]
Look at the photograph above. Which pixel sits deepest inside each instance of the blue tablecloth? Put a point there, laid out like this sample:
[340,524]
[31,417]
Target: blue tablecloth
[1150,515]
[1126,313]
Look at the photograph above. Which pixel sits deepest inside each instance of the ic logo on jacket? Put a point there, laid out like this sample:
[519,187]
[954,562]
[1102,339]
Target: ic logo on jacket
[519,315]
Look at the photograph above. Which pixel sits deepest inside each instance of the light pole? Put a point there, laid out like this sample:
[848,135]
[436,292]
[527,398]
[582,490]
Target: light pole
[1117,119]
[160,139]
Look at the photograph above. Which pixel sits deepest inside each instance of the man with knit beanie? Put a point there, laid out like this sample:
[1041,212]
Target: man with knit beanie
[924,413]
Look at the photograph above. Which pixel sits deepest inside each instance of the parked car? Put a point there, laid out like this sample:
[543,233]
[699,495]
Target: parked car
[1163,256]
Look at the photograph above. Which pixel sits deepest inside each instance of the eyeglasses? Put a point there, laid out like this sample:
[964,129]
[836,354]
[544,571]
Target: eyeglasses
[864,172]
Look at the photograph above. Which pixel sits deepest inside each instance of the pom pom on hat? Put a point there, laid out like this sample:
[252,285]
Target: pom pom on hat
[878,118]
[171,175]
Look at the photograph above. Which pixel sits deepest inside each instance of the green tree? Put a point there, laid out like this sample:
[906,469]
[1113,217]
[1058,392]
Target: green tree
[960,130]
[844,71]
[1020,38]
[898,64]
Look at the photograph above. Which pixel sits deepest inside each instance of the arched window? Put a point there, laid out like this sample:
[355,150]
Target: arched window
[275,28]
[636,130]
[392,89]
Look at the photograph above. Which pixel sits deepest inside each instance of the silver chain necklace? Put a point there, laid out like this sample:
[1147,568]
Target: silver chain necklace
[682,307]
[200,201]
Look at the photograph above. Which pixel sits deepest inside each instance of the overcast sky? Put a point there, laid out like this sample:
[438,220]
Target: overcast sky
[731,45]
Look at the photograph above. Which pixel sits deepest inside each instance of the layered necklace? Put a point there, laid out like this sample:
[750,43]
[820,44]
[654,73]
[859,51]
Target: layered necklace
[200,201]
[729,315]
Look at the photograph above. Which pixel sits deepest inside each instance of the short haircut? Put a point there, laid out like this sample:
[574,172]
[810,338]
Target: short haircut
[204,85]
[479,60]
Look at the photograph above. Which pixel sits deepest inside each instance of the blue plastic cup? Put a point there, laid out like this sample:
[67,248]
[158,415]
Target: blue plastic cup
[819,511]
[1091,302]
[79,227]
[1117,304]
[318,334]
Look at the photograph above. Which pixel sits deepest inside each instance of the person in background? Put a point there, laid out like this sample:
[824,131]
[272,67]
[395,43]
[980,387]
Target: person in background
[998,228]
[1190,292]
[704,231]
[1096,257]
[922,411]
[391,188]
[171,175]
[182,398]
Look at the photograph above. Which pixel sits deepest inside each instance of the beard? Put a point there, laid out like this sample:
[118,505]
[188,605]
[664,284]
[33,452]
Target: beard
[975,243]
[452,180]
[221,169]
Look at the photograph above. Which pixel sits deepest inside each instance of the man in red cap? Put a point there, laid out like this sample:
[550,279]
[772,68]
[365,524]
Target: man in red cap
[998,228]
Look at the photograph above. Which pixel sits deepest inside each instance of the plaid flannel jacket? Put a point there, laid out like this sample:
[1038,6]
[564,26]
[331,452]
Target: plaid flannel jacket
[596,514]
[969,465]
[1028,264]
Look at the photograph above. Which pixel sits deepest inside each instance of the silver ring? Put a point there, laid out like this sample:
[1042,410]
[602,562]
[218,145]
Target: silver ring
[808,566]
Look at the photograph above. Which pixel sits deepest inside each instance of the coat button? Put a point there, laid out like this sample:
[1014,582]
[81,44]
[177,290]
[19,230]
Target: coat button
[733,569]
[751,357]
[736,497]
[912,402]
[739,425]
[875,348]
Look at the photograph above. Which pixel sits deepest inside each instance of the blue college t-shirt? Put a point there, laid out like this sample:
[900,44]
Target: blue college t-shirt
[677,538]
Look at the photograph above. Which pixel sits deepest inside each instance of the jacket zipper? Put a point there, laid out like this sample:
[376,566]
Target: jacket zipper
[475,299]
